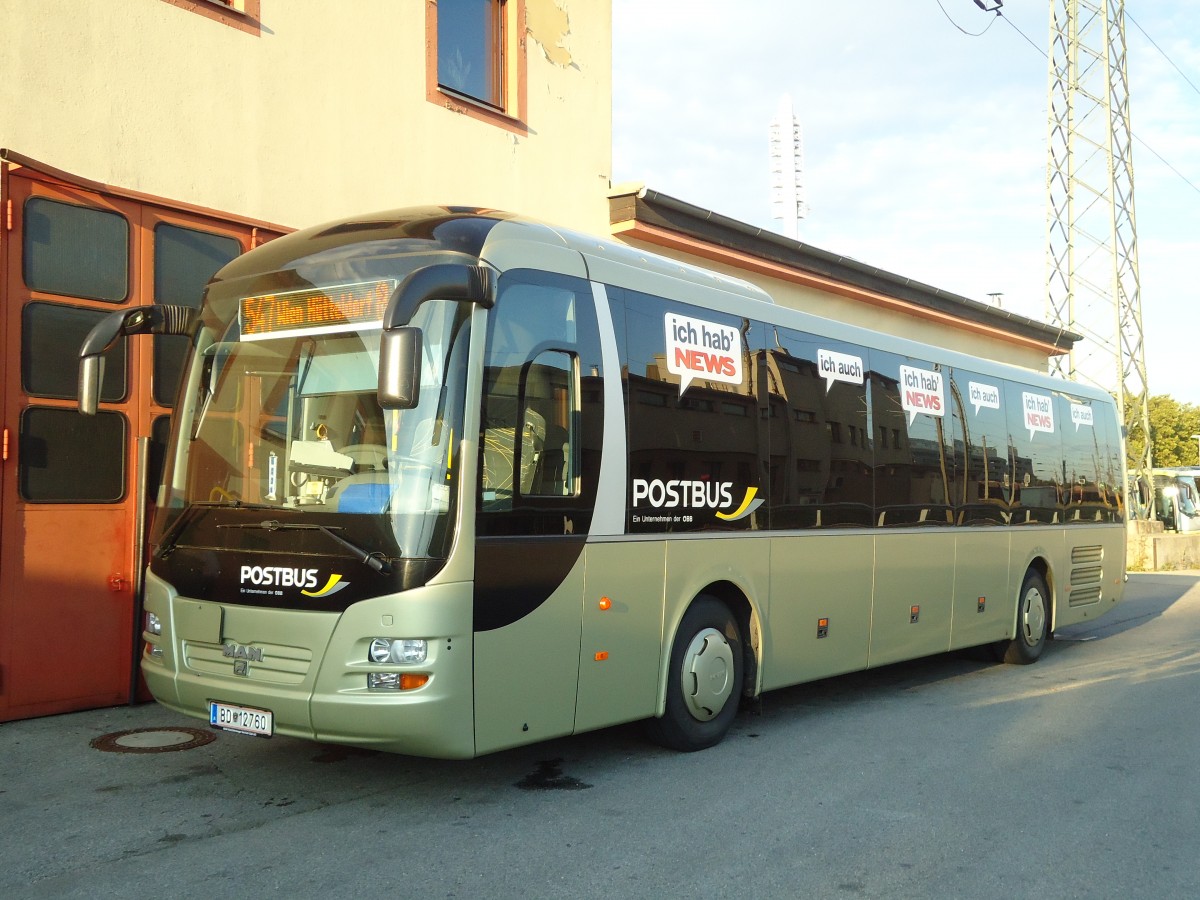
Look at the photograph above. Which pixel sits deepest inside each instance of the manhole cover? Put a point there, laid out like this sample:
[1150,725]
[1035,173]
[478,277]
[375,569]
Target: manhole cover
[153,740]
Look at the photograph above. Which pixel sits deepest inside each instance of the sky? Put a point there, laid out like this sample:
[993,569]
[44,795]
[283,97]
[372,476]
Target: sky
[925,138]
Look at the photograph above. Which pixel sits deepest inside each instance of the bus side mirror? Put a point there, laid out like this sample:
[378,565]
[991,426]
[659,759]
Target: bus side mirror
[91,376]
[400,344]
[116,326]
[104,335]
[400,368]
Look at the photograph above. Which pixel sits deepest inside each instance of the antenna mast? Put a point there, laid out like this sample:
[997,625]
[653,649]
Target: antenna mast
[787,169]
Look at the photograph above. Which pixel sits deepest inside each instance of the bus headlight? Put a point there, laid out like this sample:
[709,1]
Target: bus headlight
[153,624]
[404,650]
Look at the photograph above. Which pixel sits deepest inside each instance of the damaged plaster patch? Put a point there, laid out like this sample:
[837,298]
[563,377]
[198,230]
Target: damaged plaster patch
[548,24]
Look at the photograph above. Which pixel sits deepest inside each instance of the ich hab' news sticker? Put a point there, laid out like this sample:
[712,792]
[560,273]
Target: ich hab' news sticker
[705,350]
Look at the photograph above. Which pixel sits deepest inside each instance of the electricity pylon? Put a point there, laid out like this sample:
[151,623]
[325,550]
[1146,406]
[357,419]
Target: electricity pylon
[1093,286]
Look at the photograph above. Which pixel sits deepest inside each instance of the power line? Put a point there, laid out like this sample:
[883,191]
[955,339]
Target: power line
[1167,164]
[963,30]
[1163,52]
[1022,34]
[1155,153]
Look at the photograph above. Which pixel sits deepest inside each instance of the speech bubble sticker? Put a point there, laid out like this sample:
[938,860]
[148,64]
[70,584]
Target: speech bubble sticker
[1081,415]
[1039,413]
[836,366]
[983,395]
[921,391]
[700,349]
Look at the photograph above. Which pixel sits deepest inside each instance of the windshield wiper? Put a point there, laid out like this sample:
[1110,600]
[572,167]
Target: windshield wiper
[168,541]
[375,561]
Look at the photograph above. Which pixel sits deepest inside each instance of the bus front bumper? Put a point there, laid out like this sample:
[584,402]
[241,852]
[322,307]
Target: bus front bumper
[313,674]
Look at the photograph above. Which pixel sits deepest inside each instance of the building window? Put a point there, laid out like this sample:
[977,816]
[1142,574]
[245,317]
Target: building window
[470,55]
[475,63]
[240,14]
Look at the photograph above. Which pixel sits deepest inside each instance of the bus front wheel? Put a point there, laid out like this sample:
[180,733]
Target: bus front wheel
[1033,622]
[704,679]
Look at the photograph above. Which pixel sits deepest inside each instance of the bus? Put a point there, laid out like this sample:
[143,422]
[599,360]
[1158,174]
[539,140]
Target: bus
[1176,499]
[446,481]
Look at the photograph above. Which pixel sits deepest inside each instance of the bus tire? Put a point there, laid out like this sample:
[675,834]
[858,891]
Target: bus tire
[704,679]
[1033,622]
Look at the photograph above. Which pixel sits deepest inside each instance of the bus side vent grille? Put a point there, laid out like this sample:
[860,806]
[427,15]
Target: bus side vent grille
[1086,575]
[1080,596]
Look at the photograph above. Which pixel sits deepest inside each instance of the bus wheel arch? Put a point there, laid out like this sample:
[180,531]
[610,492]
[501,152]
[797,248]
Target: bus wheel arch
[1034,613]
[705,674]
[749,629]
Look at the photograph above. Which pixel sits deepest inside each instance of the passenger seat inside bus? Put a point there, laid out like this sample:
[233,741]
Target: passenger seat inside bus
[368,490]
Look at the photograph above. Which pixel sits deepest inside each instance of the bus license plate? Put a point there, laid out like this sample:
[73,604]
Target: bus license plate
[241,719]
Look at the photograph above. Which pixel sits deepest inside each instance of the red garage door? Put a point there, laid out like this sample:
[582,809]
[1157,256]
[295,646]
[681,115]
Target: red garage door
[75,490]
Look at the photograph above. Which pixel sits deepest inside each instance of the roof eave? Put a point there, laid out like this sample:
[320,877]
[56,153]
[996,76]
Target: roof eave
[639,213]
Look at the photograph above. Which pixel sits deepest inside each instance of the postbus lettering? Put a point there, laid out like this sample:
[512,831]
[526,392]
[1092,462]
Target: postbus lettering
[693,494]
[279,576]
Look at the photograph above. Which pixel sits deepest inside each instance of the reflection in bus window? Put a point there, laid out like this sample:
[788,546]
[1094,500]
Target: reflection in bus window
[983,487]
[913,481]
[1082,497]
[820,453]
[1035,432]
[686,430]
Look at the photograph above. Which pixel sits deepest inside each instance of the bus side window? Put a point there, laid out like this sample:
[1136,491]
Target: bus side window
[534,446]
[536,459]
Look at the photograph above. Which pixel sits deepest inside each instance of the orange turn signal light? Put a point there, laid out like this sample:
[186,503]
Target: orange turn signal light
[412,680]
[605,603]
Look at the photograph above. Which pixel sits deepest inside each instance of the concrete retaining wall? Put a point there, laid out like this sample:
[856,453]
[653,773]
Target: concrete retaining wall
[1151,549]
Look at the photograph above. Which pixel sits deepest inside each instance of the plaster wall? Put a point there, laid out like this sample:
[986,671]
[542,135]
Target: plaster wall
[320,115]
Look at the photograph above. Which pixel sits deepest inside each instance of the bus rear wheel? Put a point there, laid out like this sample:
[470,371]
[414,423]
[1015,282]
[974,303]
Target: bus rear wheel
[1033,622]
[704,679]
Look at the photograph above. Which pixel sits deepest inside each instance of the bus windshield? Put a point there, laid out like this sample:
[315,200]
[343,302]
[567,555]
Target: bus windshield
[291,424]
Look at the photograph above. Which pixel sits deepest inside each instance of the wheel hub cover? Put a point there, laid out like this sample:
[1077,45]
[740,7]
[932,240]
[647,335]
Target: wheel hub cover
[707,674]
[1034,614]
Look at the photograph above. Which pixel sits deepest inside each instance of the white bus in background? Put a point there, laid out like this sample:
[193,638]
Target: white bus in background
[1177,498]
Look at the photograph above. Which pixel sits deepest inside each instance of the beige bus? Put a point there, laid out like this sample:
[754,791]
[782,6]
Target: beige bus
[447,481]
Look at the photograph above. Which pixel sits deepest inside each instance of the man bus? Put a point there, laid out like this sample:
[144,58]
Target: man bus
[443,482]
